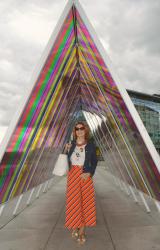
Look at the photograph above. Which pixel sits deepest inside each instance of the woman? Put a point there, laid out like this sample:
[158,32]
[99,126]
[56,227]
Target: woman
[80,195]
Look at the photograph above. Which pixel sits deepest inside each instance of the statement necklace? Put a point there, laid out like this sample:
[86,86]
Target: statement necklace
[81,149]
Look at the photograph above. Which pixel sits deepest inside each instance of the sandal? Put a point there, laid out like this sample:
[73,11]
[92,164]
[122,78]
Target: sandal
[82,238]
[75,233]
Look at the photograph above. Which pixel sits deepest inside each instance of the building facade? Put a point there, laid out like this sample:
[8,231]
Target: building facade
[148,107]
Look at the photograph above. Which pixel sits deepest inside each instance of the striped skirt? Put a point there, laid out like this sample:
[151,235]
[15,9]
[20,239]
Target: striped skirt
[80,200]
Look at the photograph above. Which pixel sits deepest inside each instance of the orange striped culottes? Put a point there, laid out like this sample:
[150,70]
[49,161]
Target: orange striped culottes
[80,200]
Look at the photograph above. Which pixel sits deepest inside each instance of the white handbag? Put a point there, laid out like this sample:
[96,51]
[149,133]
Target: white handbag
[61,167]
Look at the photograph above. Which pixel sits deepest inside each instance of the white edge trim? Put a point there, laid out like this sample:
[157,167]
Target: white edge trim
[34,77]
[146,138]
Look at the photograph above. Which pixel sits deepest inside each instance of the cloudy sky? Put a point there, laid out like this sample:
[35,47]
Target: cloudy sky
[128,29]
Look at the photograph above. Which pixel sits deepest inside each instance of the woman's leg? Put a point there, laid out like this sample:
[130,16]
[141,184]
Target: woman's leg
[73,201]
[75,232]
[81,237]
[88,202]
[81,229]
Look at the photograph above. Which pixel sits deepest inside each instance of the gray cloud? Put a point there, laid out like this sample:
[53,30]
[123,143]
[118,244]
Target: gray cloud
[128,29]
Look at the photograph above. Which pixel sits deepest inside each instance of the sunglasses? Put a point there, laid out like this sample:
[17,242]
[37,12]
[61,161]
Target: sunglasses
[81,128]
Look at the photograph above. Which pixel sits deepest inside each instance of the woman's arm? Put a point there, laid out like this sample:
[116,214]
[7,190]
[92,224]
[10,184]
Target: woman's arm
[94,159]
[67,148]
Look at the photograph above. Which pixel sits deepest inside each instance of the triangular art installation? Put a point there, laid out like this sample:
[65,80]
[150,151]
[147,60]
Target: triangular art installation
[75,74]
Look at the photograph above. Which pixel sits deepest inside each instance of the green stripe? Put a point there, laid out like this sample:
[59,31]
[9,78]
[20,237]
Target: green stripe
[25,126]
[37,120]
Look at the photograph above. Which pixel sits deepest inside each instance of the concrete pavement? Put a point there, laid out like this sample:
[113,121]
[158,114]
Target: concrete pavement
[121,223]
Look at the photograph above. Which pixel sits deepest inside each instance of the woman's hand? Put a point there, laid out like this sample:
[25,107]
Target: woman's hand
[85,175]
[67,147]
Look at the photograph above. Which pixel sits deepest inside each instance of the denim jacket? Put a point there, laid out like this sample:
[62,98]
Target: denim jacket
[90,162]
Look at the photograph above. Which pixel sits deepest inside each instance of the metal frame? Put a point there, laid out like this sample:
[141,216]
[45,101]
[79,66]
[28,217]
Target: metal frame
[147,140]
[120,87]
[33,79]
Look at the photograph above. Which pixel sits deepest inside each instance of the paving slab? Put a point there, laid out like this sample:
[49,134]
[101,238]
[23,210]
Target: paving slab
[23,239]
[139,238]
[121,223]
[96,240]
